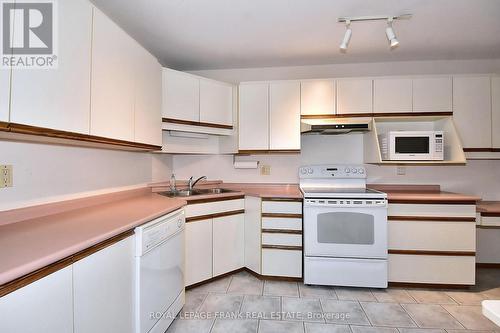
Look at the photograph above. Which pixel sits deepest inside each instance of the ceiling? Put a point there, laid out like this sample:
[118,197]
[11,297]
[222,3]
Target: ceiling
[216,34]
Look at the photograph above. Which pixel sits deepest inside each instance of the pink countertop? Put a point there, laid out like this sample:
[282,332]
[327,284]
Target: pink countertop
[489,208]
[423,193]
[37,242]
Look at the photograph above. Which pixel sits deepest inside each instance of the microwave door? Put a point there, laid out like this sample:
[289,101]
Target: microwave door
[412,147]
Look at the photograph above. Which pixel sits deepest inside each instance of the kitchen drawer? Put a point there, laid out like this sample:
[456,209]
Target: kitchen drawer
[492,221]
[282,223]
[442,210]
[432,269]
[281,239]
[214,207]
[277,262]
[432,235]
[282,207]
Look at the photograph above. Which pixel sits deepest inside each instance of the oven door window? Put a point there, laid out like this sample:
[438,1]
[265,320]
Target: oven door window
[346,228]
[412,144]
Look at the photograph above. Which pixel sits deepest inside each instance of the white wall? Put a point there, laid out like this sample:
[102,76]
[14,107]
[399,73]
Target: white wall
[44,173]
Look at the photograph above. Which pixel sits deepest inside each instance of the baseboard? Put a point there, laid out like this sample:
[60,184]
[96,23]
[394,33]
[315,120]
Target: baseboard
[429,285]
[488,265]
[194,285]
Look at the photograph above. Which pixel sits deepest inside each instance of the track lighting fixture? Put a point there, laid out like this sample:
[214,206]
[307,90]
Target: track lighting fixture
[347,37]
[389,31]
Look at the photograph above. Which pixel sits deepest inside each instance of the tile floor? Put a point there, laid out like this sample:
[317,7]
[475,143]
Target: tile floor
[243,303]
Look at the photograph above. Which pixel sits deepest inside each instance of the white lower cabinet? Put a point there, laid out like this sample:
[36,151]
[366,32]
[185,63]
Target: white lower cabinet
[278,262]
[228,243]
[198,251]
[104,290]
[253,213]
[45,305]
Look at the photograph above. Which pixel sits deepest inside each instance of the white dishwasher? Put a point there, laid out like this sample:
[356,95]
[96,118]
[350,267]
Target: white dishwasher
[159,273]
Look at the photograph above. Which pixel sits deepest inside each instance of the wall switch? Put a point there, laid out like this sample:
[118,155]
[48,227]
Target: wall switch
[5,176]
[401,170]
[265,170]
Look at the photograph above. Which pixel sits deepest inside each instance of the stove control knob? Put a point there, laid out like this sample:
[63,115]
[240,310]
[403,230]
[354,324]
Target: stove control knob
[347,170]
[361,171]
[310,170]
[303,171]
[354,170]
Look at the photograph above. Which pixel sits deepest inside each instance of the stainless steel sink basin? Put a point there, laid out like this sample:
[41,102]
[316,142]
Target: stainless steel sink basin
[187,193]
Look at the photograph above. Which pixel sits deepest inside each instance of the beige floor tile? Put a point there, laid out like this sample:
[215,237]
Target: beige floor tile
[261,307]
[217,286]
[235,325]
[431,296]
[344,312]
[387,314]
[316,291]
[275,326]
[326,328]
[421,330]
[193,303]
[431,316]
[392,295]
[190,326]
[217,303]
[355,294]
[245,284]
[302,309]
[281,288]
[467,297]
[471,317]
[371,329]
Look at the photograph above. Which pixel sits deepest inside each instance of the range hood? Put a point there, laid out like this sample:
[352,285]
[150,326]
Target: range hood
[332,126]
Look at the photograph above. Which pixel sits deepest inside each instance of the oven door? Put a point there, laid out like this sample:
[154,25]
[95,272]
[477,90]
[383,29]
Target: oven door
[345,232]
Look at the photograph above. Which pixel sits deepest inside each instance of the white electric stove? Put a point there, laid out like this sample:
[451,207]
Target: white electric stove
[345,227]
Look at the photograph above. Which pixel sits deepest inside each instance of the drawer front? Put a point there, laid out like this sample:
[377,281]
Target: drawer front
[432,210]
[492,221]
[214,207]
[281,223]
[282,263]
[432,269]
[281,207]
[433,236]
[281,239]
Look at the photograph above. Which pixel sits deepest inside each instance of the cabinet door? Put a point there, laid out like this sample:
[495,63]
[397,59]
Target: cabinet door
[104,289]
[354,96]
[59,98]
[113,75]
[147,110]
[392,95]
[254,116]
[495,108]
[472,110]
[4,94]
[198,251]
[284,115]
[317,97]
[432,94]
[229,243]
[216,102]
[181,96]
[253,215]
[45,305]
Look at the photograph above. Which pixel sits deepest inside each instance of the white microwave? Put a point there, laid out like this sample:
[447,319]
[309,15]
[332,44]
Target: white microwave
[412,145]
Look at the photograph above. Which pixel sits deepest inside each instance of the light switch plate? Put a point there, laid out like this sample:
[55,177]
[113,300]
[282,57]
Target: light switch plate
[401,170]
[265,170]
[5,176]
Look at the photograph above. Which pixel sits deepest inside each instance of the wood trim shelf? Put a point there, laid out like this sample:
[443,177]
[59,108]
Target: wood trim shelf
[481,150]
[488,226]
[76,137]
[282,215]
[489,214]
[376,115]
[214,199]
[282,231]
[282,247]
[268,151]
[428,285]
[27,279]
[432,202]
[488,265]
[282,199]
[432,218]
[434,253]
[195,123]
[212,216]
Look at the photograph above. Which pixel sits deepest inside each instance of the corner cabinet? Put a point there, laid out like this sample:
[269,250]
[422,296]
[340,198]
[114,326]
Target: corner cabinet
[216,102]
[58,98]
[181,96]
[269,116]
[45,305]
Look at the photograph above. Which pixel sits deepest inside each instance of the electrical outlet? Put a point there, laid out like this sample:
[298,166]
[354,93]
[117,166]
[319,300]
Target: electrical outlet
[5,176]
[401,170]
[265,170]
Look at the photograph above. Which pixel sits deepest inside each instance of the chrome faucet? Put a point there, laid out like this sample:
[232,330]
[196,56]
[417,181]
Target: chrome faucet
[192,184]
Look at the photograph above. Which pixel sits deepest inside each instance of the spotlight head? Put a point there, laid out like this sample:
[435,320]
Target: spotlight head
[347,37]
[391,35]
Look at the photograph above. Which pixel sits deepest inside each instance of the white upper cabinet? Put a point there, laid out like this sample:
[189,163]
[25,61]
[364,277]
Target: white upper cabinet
[216,102]
[354,96]
[181,96]
[58,98]
[317,97]
[45,305]
[103,289]
[284,111]
[472,110]
[392,95]
[495,108]
[432,94]
[254,116]
[113,80]
[147,109]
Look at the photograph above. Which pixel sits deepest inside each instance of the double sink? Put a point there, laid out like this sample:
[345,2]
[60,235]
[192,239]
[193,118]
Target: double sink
[189,193]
